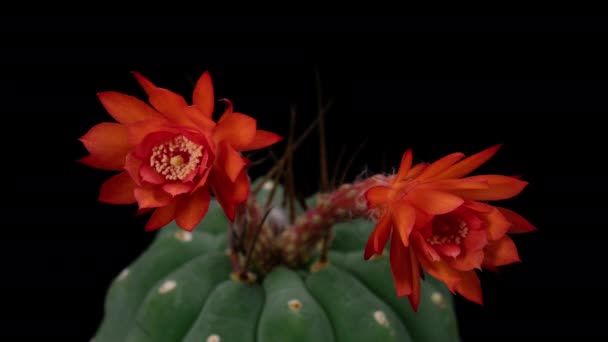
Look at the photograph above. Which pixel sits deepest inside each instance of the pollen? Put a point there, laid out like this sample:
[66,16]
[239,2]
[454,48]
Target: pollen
[175,159]
[448,234]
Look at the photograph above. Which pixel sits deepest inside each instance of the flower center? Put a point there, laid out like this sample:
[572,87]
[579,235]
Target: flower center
[448,233]
[175,159]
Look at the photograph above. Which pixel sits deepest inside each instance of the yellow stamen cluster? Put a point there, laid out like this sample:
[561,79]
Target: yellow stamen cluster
[175,159]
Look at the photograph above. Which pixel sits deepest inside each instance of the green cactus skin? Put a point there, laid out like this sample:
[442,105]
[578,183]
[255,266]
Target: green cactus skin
[180,289]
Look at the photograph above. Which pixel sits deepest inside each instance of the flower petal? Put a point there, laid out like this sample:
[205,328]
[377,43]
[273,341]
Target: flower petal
[263,139]
[400,259]
[467,261]
[448,185]
[501,252]
[151,198]
[404,217]
[423,247]
[469,164]
[414,297]
[440,270]
[406,165]
[170,105]
[377,196]
[229,194]
[118,189]
[518,223]
[475,240]
[449,249]
[434,202]
[239,130]
[378,238]
[175,189]
[497,224]
[500,187]
[416,170]
[108,144]
[139,130]
[132,166]
[229,160]
[470,287]
[144,82]
[203,95]
[439,166]
[126,109]
[162,216]
[191,209]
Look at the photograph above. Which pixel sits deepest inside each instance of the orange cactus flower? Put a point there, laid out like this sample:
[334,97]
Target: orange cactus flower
[438,222]
[172,154]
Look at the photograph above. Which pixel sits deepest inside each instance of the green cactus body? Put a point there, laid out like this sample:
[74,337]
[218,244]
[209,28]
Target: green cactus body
[181,289]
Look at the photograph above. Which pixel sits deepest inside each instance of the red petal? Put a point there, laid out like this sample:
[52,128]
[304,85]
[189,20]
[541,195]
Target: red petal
[518,223]
[501,252]
[132,166]
[449,185]
[229,194]
[263,139]
[377,196]
[144,82]
[406,165]
[400,259]
[404,217]
[151,198]
[469,287]
[441,270]
[448,250]
[108,144]
[191,209]
[469,164]
[475,240]
[434,202]
[497,224]
[118,189]
[170,105]
[416,170]
[203,95]
[148,174]
[162,216]
[500,187]
[126,109]
[414,298]
[239,130]
[139,130]
[378,238]
[440,165]
[467,261]
[199,121]
[177,188]
[229,160]
[423,247]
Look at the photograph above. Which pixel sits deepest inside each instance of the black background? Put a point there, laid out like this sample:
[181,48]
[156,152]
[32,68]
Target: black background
[434,84]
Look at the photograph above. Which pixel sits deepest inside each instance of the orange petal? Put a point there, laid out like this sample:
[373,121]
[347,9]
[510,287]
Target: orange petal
[449,250]
[518,223]
[378,238]
[434,202]
[263,139]
[441,270]
[475,240]
[132,166]
[108,144]
[501,252]
[170,105]
[229,160]
[148,174]
[406,165]
[203,95]
[126,109]
[239,130]
[469,164]
[118,189]
[229,194]
[439,166]
[191,209]
[162,216]
[414,297]
[377,196]
[422,247]
[175,189]
[467,261]
[144,82]
[151,198]
[449,185]
[198,120]
[416,170]
[497,224]
[500,187]
[400,259]
[404,217]
[139,130]
[470,287]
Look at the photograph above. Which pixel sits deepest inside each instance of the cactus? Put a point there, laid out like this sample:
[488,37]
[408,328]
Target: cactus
[182,289]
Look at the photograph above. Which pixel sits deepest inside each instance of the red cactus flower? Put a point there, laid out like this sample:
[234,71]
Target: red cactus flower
[438,222]
[171,154]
